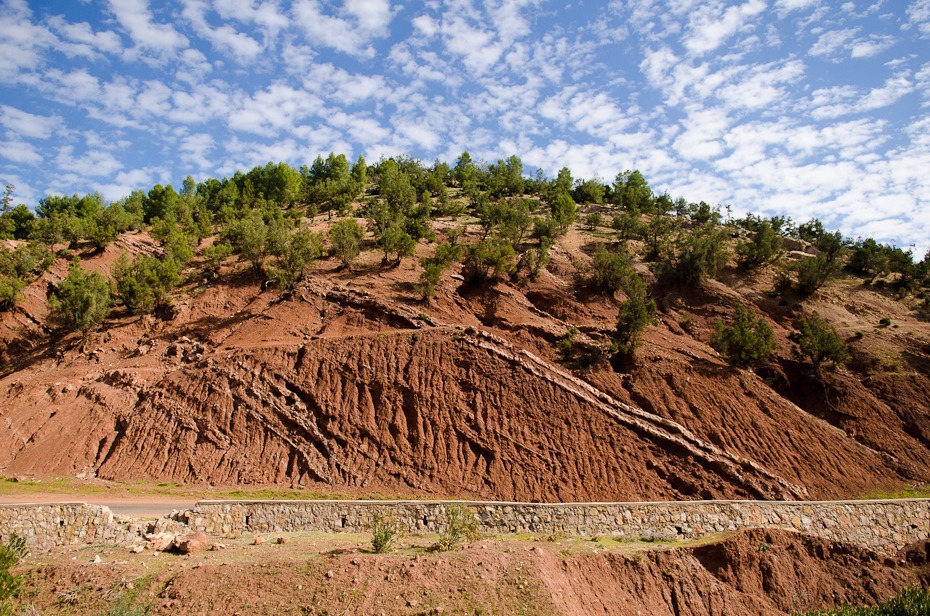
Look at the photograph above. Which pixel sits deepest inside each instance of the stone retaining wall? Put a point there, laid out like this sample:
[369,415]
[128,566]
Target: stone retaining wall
[44,526]
[882,525]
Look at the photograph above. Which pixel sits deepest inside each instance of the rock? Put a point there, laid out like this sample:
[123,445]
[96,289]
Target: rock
[282,540]
[191,543]
[96,559]
[160,541]
[258,541]
[136,549]
[217,546]
[330,575]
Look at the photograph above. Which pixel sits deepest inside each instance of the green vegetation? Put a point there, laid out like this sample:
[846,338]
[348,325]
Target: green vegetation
[911,602]
[748,342]
[818,343]
[636,313]
[345,239]
[10,554]
[384,530]
[80,301]
[461,526]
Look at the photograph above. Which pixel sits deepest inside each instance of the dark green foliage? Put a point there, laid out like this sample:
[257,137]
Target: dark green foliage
[214,255]
[749,341]
[79,207]
[506,177]
[16,223]
[330,184]
[636,313]
[812,273]
[818,343]
[10,555]
[911,602]
[397,241]
[145,284]
[296,251]
[702,213]
[80,301]
[18,267]
[594,220]
[698,255]
[632,192]
[395,188]
[161,202]
[610,270]
[345,238]
[466,172]
[761,249]
[589,191]
[563,210]
[490,259]
[629,224]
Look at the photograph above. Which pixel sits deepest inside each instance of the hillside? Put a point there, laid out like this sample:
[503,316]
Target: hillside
[351,382]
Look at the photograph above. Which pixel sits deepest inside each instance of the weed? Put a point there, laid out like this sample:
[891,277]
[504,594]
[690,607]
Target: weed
[384,530]
[461,526]
[885,321]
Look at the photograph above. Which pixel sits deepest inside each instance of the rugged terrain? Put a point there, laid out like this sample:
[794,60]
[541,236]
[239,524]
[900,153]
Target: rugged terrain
[351,383]
[753,572]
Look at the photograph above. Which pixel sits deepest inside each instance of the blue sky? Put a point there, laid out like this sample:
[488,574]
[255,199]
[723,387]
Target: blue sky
[798,107]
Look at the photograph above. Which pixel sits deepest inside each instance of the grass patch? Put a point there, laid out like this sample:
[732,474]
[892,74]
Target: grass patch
[898,493]
[911,602]
[69,486]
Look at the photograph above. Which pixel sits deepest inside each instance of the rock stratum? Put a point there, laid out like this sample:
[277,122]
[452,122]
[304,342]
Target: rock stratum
[350,384]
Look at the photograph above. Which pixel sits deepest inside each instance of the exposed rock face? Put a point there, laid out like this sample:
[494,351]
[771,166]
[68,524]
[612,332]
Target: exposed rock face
[365,391]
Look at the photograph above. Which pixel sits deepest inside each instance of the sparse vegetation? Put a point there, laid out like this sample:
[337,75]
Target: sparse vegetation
[818,343]
[460,527]
[749,341]
[913,601]
[384,530]
[80,301]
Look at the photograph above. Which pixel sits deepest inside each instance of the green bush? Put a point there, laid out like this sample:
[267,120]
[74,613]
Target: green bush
[384,530]
[490,259]
[698,255]
[911,602]
[610,270]
[749,341]
[813,273]
[818,343]
[345,237]
[636,313]
[761,249]
[80,301]
[461,527]
[10,555]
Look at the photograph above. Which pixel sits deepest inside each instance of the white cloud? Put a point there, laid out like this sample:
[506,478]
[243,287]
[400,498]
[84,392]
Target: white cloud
[365,21]
[224,38]
[832,41]
[278,108]
[918,14]
[136,18]
[90,163]
[871,47]
[28,125]
[713,25]
[20,152]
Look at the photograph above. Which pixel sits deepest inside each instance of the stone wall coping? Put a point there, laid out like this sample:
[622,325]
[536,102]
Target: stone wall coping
[385,503]
[54,504]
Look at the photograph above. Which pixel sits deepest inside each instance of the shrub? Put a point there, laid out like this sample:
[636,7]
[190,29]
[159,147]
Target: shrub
[345,239]
[610,270]
[434,267]
[637,312]
[145,285]
[761,249]
[698,255]
[818,343]
[299,249]
[10,555]
[384,530]
[82,300]
[749,341]
[490,259]
[814,272]
[885,321]
[461,526]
